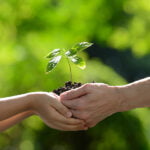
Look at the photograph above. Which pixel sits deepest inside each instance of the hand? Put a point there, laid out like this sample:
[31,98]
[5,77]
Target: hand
[92,102]
[53,113]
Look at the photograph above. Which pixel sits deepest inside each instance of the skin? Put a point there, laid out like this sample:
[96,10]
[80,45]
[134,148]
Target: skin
[93,102]
[46,105]
[7,123]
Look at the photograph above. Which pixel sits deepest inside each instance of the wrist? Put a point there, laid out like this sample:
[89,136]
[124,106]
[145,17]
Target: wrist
[35,101]
[118,95]
[123,99]
[32,97]
[128,97]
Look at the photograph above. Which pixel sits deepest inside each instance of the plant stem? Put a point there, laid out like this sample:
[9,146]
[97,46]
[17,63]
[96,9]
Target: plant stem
[70,69]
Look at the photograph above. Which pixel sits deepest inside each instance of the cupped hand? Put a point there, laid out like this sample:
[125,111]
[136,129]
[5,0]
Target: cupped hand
[92,102]
[54,113]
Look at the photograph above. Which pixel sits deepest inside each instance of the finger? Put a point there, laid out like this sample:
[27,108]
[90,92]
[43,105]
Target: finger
[74,121]
[72,94]
[65,127]
[57,121]
[61,108]
[76,114]
[74,104]
[60,118]
[51,117]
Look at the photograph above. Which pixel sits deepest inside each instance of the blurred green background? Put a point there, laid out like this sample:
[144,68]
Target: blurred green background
[120,31]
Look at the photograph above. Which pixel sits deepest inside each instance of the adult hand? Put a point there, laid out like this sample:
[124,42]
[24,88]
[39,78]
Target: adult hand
[92,102]
[54,113]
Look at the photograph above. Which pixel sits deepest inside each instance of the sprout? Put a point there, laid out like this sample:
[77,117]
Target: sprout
[70,54]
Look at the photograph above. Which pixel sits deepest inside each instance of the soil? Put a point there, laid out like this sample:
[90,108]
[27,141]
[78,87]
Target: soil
[68,86]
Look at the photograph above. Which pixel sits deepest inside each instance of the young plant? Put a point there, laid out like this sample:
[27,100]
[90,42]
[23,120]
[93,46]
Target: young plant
[70,54]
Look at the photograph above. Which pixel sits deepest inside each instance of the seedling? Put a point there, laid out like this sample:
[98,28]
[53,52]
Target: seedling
[69,54]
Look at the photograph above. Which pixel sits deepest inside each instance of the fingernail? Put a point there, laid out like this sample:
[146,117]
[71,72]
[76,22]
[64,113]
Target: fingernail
[69,114]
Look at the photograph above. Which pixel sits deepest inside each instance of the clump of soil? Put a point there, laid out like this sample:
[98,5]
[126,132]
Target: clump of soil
[68,86]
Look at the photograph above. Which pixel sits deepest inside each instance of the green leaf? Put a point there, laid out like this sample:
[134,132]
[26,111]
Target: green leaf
[52,63]
[53,53]
[78,61]
[78,47]
[71,52]
[81,46]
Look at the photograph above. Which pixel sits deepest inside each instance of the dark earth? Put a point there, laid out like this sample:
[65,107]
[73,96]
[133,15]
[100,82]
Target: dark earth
[68,86]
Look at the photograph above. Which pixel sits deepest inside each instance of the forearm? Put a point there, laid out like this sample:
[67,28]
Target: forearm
[135,95]
[5,124]
[11,106]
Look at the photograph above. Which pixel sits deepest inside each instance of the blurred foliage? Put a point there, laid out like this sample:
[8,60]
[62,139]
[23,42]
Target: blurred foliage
[121,54]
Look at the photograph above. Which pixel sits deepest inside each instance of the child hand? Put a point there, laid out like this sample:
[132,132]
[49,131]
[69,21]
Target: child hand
[54,113]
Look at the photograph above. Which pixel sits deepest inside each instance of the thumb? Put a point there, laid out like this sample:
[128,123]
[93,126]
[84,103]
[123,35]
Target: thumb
[75,93]
[61,108]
